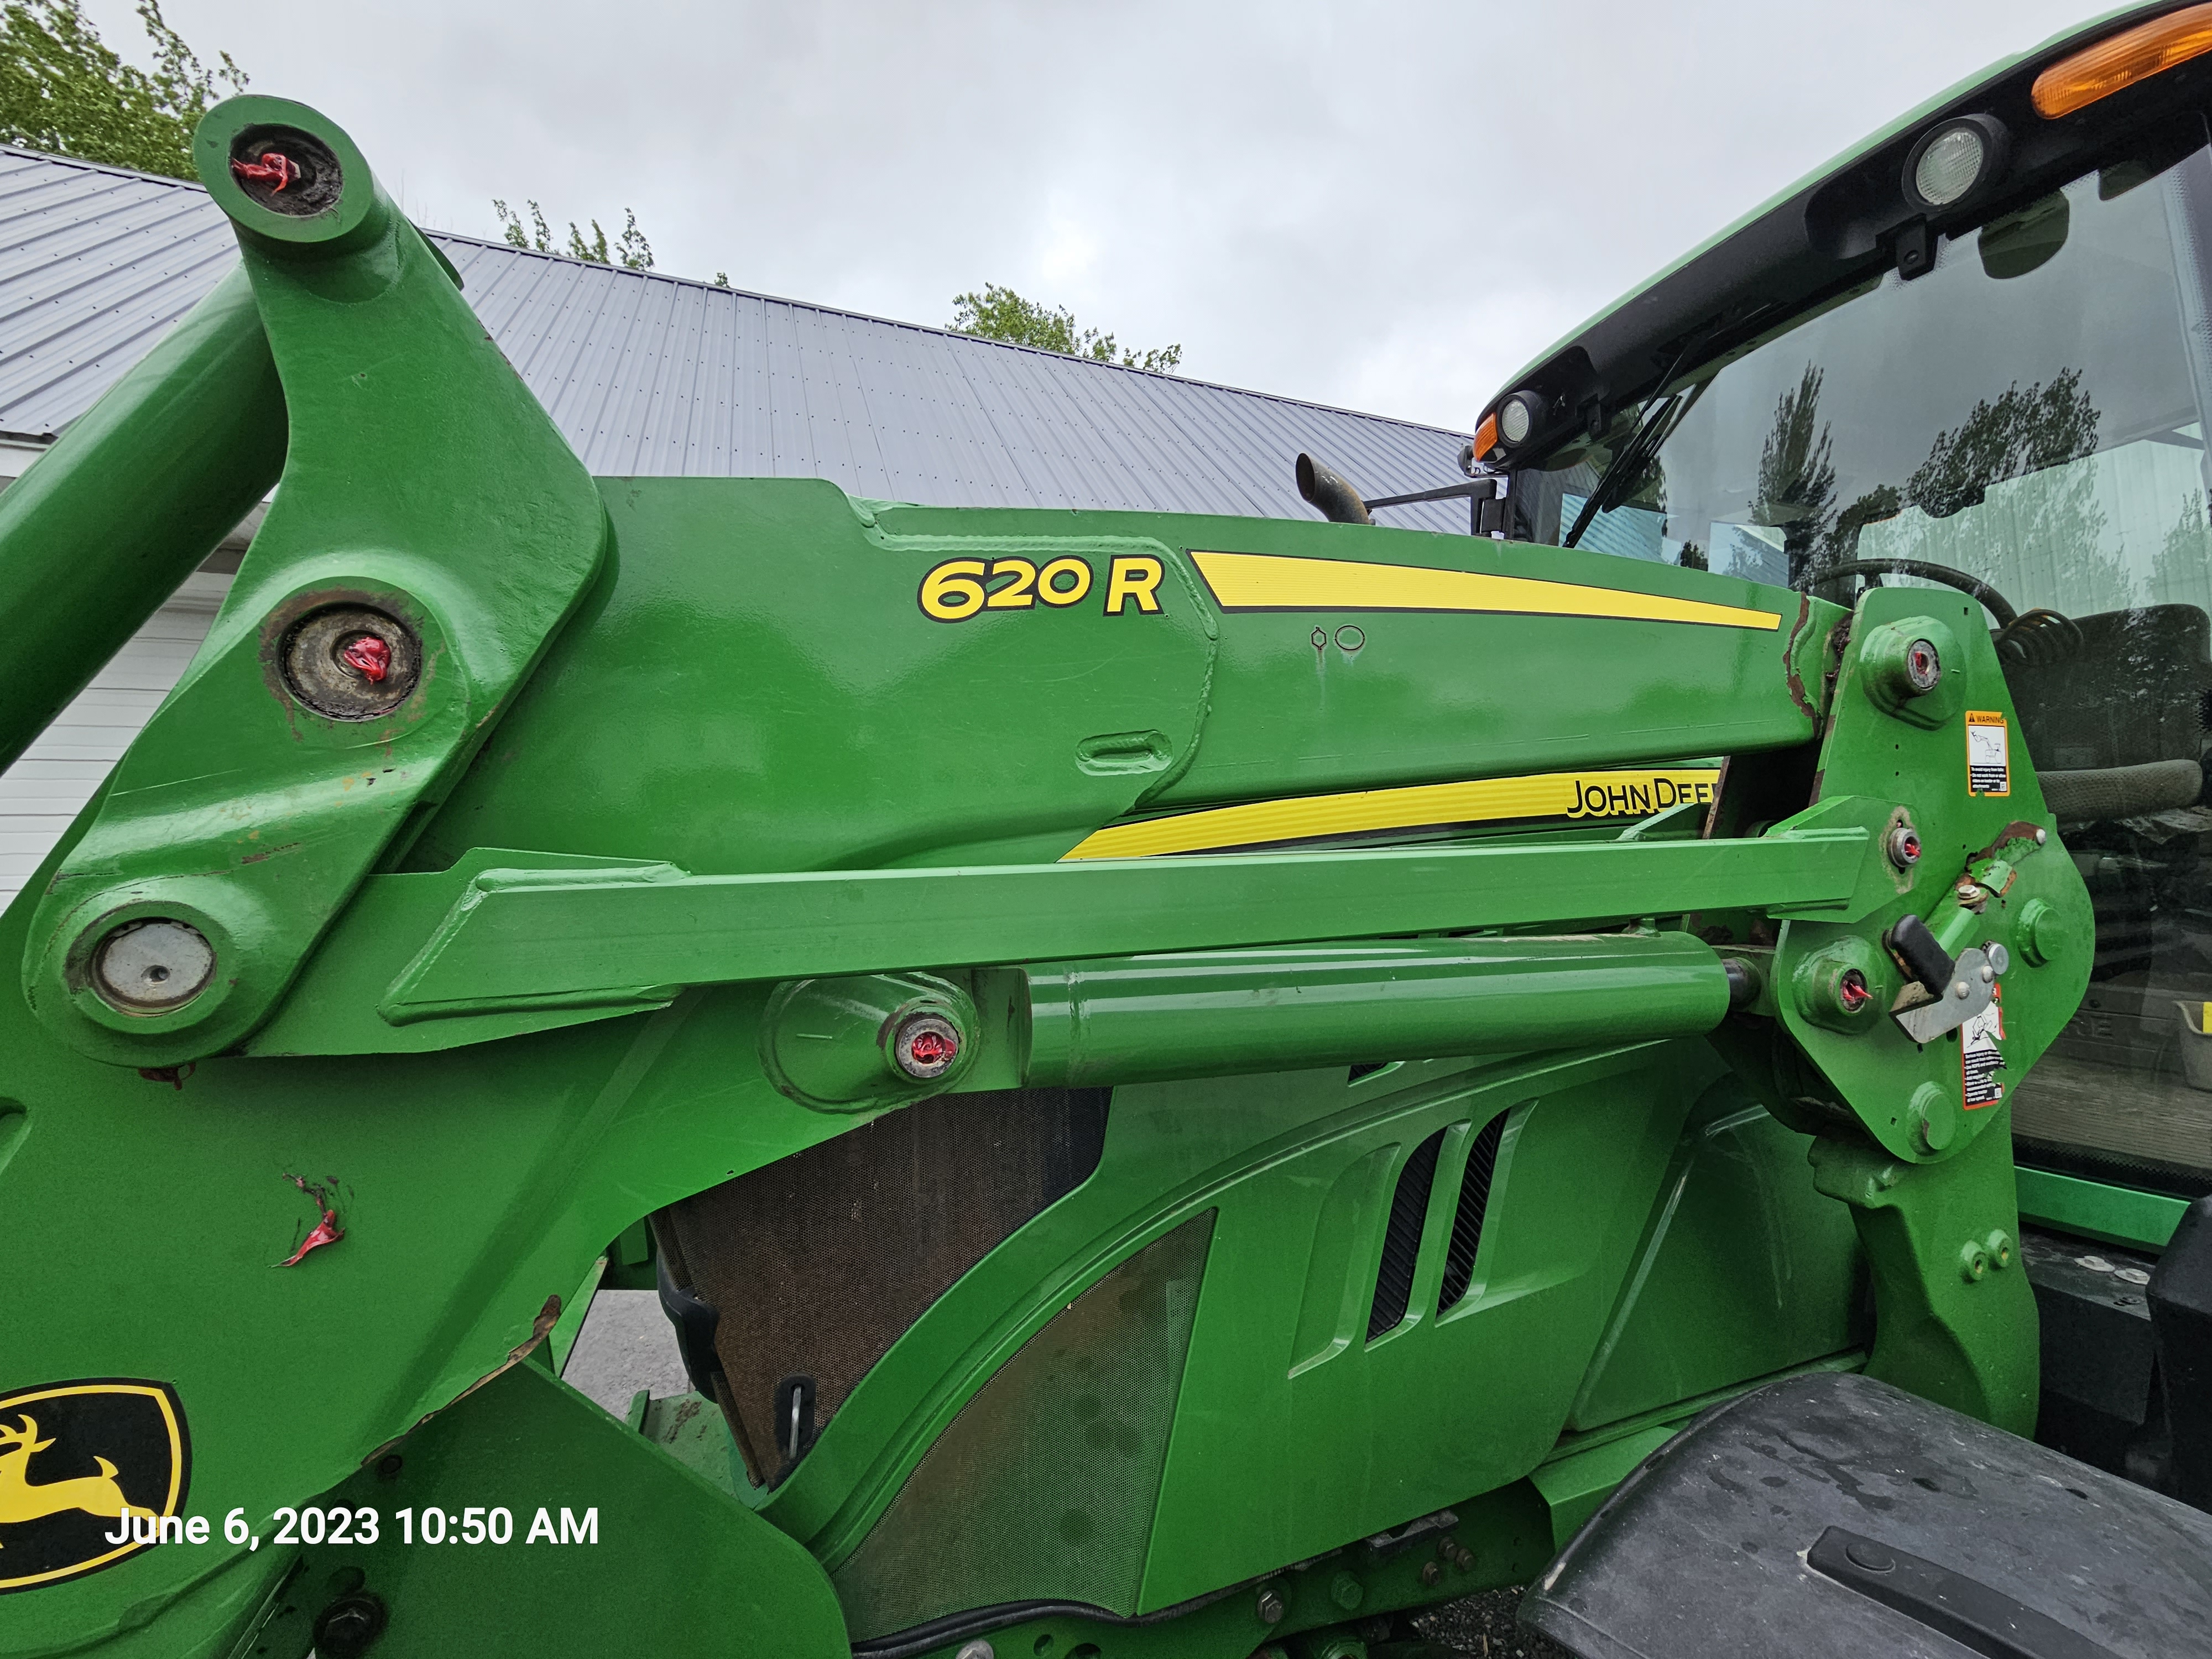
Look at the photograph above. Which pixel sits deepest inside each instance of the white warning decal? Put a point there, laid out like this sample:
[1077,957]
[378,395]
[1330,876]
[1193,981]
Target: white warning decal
[1980,1055]
[1989,754]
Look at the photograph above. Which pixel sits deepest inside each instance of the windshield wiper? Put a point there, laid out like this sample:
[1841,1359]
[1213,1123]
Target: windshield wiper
[1655,422]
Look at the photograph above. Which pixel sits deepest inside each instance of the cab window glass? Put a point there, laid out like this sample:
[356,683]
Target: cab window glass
[2030,416]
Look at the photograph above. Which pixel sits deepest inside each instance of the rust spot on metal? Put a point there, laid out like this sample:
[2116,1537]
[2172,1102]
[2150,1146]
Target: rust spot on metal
[1790,675]
[172,1075]
[1713,811]
[540,1328]
[327,1230]
[2018,829]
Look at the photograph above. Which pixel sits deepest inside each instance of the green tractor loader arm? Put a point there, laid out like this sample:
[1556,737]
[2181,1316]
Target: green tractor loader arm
[1195,1079]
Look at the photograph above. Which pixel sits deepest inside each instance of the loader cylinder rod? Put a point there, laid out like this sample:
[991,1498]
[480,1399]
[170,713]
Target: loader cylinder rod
[1135,1019]
[141,489]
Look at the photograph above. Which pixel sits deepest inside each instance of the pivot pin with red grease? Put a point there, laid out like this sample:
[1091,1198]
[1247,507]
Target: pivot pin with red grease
[1852,992]
[368,655]
[1840,985]
[925,1046]
[350,662]
[1923,668]
[274,168]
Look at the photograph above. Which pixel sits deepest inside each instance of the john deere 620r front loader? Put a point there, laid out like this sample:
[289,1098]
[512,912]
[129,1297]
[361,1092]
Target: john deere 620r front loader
[1196,1084]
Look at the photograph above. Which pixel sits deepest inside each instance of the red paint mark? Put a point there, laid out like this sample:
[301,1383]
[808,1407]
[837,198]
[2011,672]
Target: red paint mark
[173,1075]
[369,656]
[275,169]
[1852,991]
[934,1047]
[326,1232]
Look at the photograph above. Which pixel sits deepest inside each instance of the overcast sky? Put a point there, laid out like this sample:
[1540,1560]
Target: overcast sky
[1389,206]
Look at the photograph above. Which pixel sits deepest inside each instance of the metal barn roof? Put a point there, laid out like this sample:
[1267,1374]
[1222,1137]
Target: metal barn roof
[649,374]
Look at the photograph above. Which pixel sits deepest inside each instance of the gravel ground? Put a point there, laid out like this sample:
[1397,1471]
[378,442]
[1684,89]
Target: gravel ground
[627,1344]
[1482,1626]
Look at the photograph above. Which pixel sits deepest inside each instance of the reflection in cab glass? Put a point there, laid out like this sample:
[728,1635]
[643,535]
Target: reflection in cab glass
[2027,422]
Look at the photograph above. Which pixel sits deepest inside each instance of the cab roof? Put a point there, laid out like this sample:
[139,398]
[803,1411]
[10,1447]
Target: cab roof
[1838,224]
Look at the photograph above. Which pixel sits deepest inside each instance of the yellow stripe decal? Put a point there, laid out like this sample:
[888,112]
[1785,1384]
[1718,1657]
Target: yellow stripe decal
[1268,581]
[1544,795]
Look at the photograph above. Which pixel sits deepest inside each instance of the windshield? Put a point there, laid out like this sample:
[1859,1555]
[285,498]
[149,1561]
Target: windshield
[2028,417]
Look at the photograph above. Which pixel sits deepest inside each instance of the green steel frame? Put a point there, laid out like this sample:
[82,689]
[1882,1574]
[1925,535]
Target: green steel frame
[681,766]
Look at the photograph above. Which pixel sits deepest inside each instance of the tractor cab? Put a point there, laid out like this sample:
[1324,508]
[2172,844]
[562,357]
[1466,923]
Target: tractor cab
[1974,358]
[1978,355]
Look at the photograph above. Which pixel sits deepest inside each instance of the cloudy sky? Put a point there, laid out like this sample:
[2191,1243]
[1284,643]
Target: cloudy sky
[1391,207]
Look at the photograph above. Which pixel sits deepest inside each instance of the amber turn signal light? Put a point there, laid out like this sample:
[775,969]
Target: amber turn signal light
[1485,436]
[2112,66]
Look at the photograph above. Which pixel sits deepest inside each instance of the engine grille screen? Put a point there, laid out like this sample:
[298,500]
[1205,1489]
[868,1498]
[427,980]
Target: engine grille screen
[818,1263]
[1043,1488]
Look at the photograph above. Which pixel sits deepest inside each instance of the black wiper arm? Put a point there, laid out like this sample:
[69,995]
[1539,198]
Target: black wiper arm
[1628,464]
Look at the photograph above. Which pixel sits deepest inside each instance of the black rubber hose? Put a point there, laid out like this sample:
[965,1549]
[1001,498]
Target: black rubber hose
[1993,601]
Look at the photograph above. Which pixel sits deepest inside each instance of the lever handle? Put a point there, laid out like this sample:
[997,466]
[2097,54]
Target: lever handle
[1928,962]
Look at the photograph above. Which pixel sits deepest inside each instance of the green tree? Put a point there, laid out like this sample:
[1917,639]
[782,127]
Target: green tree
[2007,496]
[1000,313]
[63,91]
[1797,473]
[630,250]
[2179,568]
[2020,433]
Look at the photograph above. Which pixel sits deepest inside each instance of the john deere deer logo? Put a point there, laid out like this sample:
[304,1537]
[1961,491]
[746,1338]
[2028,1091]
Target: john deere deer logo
[21,1501]
[77,1458]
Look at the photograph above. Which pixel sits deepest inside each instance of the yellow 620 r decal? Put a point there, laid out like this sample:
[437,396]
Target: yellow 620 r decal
[960,588]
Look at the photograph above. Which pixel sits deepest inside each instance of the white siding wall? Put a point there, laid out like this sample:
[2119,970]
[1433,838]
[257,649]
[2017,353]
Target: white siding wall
[44,791]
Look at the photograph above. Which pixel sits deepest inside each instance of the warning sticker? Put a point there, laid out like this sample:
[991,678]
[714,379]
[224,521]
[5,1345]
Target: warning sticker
[1989,754]
[1980,1056]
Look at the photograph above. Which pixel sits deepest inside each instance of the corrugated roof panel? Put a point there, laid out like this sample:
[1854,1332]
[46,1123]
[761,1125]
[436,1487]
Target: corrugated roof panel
[656,375]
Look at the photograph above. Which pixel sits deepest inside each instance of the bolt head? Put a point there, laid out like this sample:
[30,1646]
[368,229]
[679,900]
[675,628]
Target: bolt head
[349,1626]
[1270,1607]
[1905,847]
[152,967]
[978,1648]
[1431,1573]
[1997,957]
[1933,1116]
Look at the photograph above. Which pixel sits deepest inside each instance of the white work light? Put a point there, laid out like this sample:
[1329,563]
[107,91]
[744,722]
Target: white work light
[1516,417]
[1954,161]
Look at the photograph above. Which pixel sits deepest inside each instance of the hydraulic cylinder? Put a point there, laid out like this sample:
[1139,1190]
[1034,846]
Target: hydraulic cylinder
[1209,1013]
